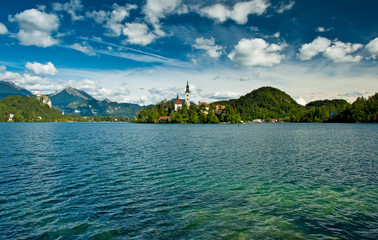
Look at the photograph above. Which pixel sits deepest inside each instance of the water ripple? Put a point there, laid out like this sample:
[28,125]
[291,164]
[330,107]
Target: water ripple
[130,181]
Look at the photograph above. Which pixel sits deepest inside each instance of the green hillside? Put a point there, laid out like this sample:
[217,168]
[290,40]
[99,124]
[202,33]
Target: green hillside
[361,110]
[324,110]
[265,103]
[27,109]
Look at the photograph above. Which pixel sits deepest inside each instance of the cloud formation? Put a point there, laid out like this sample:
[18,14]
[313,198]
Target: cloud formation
[72,8]
[339,52]
[372,48]
[239,13]
[155,10]
[310,50]
[222,96]
[336,51]
[354,94]
[209,45]
[30,81]
[138,33]
[256,52]
[84,48]
[113,21]
[285,6]
[38,68]
[36,28]
[3,29]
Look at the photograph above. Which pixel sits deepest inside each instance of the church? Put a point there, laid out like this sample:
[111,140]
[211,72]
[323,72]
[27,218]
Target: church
[178,102]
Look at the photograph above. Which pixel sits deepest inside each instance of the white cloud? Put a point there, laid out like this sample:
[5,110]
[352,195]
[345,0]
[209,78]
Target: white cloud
[99,16]
[37,38]
[256,52]
[39,68]
[30,82]
[84,48]
[372,48]
[242,9]
[112,20]
[2,68]
[320,29]
[3,29]
[218,12]
[239,13]
[138,33]
[338,52]
[323,29]
[38,83]
[222,96]
[36,28]
[285,6]
[10,76]
[159,9]
[209,45]
[72,8]
[354,94]
[244,78]
[117,16]
[310,50]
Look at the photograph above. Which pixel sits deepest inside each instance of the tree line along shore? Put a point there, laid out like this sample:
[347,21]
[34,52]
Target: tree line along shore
[266,104]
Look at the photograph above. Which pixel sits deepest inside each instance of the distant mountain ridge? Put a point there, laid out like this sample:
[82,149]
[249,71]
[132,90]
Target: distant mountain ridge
[11,89]
[74,101]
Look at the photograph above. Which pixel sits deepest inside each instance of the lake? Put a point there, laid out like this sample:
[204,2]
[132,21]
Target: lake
[141,181]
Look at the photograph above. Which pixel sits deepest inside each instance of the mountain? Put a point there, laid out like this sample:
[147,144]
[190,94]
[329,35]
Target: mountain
[9,89]
[69,95]
[27,109]
[74,101]
[266,102]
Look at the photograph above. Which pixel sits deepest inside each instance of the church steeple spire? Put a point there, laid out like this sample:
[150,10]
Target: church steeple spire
[187,87]
[187,95]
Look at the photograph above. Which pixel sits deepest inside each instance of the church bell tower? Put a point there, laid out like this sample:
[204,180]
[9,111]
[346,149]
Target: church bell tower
[187,95]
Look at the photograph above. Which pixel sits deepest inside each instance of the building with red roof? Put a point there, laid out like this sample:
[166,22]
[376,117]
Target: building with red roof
[178,104]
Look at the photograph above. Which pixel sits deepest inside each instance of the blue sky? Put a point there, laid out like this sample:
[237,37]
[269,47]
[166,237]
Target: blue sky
[145,51]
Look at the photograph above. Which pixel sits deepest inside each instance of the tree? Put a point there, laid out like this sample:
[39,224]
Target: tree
[154,116]
[142,115]
[193,115]
[212,118]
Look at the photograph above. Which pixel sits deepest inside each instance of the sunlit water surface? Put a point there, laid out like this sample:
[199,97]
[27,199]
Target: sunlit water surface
[134,181]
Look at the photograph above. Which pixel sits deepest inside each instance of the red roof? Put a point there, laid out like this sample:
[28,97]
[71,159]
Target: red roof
[178,101]
[165,118]
[203,104]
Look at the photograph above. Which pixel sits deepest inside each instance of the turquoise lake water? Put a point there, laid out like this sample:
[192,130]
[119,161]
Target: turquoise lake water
[140,181]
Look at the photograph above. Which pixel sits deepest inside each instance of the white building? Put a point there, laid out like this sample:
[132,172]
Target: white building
[178,104]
